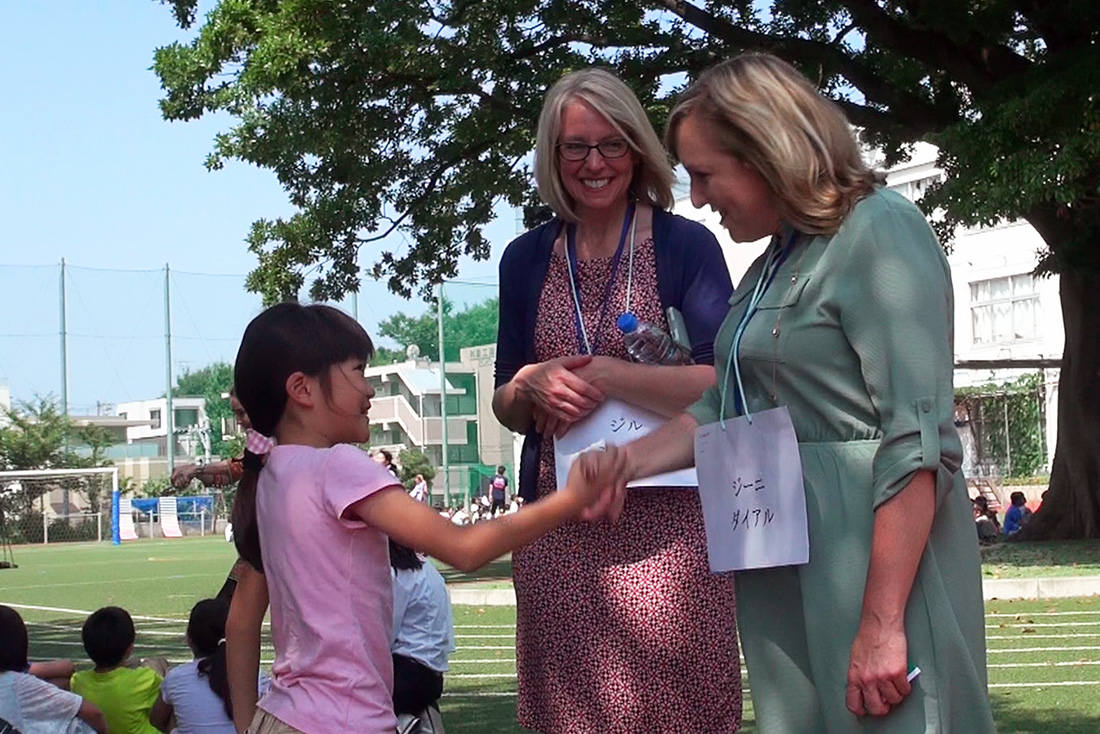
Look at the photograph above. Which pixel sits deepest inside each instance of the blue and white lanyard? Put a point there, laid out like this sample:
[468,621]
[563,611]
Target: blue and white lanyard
[630,222]
[777,254]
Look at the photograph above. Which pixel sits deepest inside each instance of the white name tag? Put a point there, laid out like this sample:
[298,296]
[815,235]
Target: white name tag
[615,423]
[750,486]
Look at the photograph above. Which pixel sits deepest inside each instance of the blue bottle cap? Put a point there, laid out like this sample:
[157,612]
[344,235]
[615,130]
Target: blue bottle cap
[627,323]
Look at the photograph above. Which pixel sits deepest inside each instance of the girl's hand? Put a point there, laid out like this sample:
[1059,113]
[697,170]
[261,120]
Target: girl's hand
[877,669]
[557,396]
[599,479]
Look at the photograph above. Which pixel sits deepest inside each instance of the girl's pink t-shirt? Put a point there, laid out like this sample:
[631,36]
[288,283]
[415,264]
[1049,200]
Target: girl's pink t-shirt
[331,594]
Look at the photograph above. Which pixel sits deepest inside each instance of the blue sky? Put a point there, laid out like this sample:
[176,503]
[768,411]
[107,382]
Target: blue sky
[92,174]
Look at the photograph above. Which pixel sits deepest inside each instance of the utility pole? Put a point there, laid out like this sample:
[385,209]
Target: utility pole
[64,359]
[443,394]
[168,409]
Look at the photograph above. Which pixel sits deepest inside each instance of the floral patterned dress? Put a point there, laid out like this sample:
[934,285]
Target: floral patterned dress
[621,628]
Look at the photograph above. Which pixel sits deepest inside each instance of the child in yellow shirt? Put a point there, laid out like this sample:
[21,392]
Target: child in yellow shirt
[124,694]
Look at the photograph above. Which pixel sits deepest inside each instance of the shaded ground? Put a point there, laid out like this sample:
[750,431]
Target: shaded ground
[1037,559]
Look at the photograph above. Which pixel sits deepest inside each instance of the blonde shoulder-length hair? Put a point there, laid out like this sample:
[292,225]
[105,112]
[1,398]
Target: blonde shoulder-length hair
[768,115]
[608,95]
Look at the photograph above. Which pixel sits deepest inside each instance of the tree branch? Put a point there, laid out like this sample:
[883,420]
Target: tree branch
[977,65]
[909,109]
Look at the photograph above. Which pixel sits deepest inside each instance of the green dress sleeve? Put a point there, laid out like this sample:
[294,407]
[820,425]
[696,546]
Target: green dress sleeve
[896,310]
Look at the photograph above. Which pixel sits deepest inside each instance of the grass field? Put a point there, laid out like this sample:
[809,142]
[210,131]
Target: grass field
[1044,657]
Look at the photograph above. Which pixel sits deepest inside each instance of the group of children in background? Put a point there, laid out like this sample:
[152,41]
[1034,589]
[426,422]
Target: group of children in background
[117,694]
[120,696]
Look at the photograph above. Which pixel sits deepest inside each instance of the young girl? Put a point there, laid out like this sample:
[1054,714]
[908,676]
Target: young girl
[198,692]
[321,511]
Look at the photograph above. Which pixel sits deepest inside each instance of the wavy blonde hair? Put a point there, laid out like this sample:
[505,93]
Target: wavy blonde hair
[608,95]
[768,115]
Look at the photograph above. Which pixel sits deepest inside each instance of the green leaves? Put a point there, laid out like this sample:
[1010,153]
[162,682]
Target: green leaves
[474,326]
[398,126]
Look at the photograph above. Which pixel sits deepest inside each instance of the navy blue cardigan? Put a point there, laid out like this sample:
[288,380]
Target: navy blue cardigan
[691,275]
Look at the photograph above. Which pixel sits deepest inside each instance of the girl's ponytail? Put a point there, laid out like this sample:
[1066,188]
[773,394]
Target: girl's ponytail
[216,670]
[246,529]
[206,633]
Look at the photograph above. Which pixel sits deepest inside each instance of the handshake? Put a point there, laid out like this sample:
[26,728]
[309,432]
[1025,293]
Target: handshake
[597,481]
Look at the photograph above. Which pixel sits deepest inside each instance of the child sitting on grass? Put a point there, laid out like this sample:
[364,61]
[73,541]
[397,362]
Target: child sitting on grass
[29,704]
[197,693]
[124,694]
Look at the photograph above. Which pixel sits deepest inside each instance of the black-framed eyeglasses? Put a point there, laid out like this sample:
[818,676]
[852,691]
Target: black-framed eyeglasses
[579,151]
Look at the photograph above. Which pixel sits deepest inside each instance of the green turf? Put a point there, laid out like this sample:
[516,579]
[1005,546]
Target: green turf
[1044,656]
[1010,560]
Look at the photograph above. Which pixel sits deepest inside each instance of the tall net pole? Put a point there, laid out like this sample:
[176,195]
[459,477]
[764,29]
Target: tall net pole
[64,359]
[170,439]
[443,396]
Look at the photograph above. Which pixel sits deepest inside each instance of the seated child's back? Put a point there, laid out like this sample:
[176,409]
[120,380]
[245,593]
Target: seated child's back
[124,694]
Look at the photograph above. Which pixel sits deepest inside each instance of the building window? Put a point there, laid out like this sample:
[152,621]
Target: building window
[187,417]
[1005,310]
[154,418]
[914,190]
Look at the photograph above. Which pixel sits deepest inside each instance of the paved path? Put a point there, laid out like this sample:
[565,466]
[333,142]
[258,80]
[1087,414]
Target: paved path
[1032,588]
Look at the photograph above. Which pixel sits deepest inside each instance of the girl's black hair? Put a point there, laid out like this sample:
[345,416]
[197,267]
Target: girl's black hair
[284,339]
[206,630]
[14,643]
[403,558]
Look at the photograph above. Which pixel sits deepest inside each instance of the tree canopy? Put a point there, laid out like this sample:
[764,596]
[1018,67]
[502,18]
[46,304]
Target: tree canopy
[474,326]
[415,118]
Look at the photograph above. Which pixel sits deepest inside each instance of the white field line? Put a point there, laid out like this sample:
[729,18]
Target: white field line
[86,612]
[1047,664]
[1059,684]
[1005,650]
[1064,636]
[485,626]
[486,637]
[117,579]
[1023,625]
[1018,615]
[137,645]
[69,628]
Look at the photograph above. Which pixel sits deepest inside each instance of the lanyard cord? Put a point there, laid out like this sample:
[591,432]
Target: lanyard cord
[776,255]
[630,222]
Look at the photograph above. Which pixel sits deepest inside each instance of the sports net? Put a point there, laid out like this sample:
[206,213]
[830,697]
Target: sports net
[56,506]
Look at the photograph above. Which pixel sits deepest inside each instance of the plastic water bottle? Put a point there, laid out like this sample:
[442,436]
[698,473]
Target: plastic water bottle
[650,344]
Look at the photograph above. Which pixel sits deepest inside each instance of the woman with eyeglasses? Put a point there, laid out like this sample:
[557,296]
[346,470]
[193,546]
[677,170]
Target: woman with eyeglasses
[620,628]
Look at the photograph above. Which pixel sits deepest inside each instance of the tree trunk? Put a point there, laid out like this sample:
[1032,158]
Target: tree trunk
[1071,507]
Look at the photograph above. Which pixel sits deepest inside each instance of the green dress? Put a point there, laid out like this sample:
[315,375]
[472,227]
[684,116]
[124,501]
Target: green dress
[854,336]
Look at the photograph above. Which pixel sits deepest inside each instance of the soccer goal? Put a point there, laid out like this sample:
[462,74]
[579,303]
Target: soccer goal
[56,505]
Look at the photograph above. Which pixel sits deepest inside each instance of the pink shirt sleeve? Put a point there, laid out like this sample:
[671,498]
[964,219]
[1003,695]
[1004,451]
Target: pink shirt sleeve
[351,475]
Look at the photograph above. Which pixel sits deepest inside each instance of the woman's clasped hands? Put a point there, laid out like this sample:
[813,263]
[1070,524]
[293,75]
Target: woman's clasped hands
[558,397]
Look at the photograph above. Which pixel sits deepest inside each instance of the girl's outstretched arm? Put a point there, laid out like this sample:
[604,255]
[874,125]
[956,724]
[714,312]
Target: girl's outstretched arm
[242,643]
[596,487]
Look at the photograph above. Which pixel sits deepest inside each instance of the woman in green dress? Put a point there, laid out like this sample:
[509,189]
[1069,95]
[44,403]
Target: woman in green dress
[853,334]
